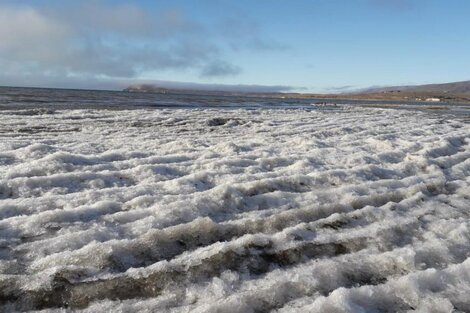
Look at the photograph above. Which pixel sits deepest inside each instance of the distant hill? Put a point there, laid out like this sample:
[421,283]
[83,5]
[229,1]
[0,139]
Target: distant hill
[191,91]
[146,88]
[185,87]
[449,92]
[458,88]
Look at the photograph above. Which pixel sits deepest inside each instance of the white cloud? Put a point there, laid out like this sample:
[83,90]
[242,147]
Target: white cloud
[92,40]
[118,41]
[24,31]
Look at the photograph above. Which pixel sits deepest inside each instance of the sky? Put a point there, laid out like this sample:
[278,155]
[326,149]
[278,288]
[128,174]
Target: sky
[277,45]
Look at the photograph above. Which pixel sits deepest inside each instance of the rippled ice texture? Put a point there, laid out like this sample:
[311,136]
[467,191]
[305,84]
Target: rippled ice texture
[349,210]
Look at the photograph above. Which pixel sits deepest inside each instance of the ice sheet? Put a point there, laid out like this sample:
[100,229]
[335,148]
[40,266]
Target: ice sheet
[206,210]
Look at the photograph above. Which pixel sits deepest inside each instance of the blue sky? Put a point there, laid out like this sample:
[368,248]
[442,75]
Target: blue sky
[315,45]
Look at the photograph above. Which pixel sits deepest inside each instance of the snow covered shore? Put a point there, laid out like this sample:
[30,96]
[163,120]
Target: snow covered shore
[344,210]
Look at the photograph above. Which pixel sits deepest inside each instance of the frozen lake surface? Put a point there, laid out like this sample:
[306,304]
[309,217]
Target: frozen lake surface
[340,209]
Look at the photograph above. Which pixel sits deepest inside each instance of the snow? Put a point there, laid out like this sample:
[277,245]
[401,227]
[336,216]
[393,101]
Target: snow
[345,209]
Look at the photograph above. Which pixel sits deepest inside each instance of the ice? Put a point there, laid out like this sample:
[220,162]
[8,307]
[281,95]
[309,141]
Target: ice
[231,210]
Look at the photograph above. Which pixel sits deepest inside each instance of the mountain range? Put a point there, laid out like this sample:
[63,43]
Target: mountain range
[451,92]
[457,88]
